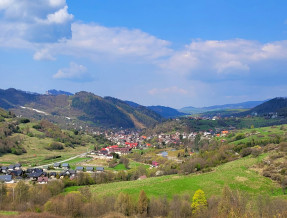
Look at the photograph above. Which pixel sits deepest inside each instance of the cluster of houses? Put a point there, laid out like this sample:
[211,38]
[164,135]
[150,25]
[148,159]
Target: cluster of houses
[14,173]
[108,151]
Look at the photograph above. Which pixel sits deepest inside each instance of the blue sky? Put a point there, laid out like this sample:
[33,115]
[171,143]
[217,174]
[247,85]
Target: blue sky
[164,52]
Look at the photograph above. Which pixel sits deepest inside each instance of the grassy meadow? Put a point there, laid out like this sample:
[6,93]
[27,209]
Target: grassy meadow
[236,175]
[36,147]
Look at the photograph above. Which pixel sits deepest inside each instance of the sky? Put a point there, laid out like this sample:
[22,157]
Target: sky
[153,52]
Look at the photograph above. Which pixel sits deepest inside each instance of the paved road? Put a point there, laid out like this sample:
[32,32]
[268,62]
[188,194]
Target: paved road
[63,161]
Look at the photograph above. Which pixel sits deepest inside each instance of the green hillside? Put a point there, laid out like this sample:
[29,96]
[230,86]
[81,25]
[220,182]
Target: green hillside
[237,175]
[78,110]
[38,142]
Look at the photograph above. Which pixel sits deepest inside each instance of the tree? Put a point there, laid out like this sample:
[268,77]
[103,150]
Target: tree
[284,185]
[124,204]
[3,193]
[143,203]
[21,192]
[125,161]
[199,202]
[196,142]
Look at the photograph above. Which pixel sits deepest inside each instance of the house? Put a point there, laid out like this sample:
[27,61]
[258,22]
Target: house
[90,169]
[16,173]
[52,175]
[18,166]
[100,169]
[164,154]
[43,180]
[34,170]
[224,132]
[79,169]
[35,175]
[142,177]
[11,167]
[4,169]
[155,164]
[103,151]
[45,168]
[6,179]
[65,166]
[57,165]
[68,173]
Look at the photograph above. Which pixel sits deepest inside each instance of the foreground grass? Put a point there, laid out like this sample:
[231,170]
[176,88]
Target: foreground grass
[235,174]
[8,213]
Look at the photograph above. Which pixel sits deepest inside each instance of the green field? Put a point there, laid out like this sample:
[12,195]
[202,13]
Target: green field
[258,134]
[234,174]
[132,165]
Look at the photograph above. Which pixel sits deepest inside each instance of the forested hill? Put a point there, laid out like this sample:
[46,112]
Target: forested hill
[166,112]
[78,110]
[275,105]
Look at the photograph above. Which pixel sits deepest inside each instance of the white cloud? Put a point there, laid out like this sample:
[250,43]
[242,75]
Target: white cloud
[99,42]
[59,17]
[43,55]
[57,3]
[35,21]
[75,71]
[169,90]
[204,59]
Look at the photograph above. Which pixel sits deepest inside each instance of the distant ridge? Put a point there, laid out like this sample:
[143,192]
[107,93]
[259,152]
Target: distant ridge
[166,112]
[242,105]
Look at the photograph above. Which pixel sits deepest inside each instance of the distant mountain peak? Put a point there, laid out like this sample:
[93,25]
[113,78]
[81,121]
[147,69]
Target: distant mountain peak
[58,92]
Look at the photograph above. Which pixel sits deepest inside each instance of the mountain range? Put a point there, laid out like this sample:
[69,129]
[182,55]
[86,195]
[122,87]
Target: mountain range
[78,109]
[243,105]
[87,109]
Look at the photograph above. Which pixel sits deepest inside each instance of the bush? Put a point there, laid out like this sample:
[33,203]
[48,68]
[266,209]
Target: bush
[239,136]
[256,152]
[56,146]
[245,152]
[24,120]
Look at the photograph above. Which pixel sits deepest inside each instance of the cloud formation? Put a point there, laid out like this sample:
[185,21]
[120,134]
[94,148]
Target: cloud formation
[220,59]
[35,21]
[96,42]
[74,72]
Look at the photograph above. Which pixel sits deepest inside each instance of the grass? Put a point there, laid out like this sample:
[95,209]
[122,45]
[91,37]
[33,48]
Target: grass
[37,153]
[258,134]
[77,161]
[8,213]
[236,175]
[132,165]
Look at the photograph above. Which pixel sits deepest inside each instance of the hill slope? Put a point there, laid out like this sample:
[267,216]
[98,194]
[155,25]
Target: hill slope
[274,105]
[236,174]
[77,110]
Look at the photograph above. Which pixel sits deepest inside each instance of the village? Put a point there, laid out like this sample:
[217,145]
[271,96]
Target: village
[124,142]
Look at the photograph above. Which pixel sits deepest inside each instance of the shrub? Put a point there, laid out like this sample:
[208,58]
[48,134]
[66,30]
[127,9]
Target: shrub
[24,120]
[245,152]
[239,136]
[56,146]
